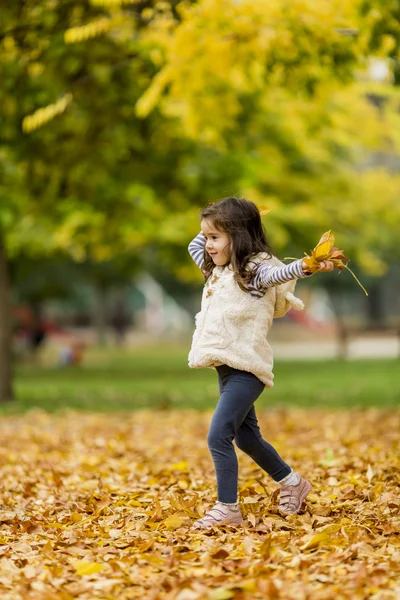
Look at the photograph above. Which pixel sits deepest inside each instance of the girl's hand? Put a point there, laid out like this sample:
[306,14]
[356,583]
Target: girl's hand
[324,267]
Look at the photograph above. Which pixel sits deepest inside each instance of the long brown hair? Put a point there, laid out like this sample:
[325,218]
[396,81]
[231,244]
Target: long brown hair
[241,220]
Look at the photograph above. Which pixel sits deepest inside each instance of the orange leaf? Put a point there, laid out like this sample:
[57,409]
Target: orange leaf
[336,253]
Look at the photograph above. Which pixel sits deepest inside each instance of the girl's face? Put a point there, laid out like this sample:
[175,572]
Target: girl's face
[218,243]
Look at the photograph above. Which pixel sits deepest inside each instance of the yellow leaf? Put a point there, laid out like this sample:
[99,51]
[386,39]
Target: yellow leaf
[325,250]
[221,594]
[322,251]
[248,586]
[85,32]
[311,263]
[179,466]
[264,210]
[327,237]
[134,503]
[43,115]
[152,559]
[75,517]
[324,246]
[321,537]
[265,548]
[86,568]
[174,521]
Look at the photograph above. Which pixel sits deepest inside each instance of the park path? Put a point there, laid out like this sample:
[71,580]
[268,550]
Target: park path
[365,347]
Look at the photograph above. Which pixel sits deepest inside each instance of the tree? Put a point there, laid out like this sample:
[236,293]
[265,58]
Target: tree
[277,84]
[96,182]
[166,106]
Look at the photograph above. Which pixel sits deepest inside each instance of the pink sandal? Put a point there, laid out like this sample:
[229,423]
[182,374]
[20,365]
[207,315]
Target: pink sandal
[292,497]
[220,514]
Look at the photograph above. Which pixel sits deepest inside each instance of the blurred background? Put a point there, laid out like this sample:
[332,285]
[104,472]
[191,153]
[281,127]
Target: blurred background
[121,119]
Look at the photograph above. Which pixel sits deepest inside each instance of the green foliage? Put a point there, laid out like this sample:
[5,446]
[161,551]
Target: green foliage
[95,182]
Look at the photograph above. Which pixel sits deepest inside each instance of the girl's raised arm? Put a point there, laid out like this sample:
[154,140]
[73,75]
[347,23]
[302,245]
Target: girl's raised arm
[268,276]
[196,249]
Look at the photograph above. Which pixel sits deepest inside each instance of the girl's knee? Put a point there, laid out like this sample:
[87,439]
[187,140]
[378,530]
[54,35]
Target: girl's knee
[218,438]
[247,441]
[213,439]
[242,441]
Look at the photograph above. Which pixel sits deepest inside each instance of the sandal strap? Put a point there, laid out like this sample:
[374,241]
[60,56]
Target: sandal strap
[215,515]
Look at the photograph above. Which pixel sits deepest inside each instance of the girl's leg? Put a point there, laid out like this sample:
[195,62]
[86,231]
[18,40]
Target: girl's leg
[294,488]
[239,392]
[249,439]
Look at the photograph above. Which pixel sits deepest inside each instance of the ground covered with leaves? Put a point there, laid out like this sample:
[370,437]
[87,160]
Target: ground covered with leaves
[100,506]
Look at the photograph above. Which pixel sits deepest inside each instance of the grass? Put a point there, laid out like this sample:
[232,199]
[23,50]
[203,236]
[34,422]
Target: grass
[158,377]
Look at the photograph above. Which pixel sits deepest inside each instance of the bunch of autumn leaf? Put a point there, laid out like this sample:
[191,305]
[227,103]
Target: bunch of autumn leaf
[325,250]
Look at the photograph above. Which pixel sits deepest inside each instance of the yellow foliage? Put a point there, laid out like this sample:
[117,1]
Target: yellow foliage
[91,30]
[44,115]
[113,3]
[222,46]
[150,98]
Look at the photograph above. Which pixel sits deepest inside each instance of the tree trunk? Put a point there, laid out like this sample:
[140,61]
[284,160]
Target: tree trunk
[341,330]
[6,392]
[375,308]
[100,315]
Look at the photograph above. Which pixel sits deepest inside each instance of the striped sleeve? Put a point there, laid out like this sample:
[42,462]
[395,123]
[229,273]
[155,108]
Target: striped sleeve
[196,249]
[269,276]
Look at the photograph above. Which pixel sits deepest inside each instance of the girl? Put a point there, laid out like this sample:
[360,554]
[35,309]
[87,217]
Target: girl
[245,288]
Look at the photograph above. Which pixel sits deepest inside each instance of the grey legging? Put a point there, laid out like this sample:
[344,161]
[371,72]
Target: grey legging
[235,418]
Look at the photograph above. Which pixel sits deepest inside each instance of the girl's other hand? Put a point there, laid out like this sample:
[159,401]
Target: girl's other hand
[324,267]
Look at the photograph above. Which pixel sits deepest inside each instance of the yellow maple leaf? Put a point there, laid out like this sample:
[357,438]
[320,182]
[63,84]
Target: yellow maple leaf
[86,568]
[174,521]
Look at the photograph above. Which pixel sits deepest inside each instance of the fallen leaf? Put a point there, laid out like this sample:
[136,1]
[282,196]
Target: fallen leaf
[179,466]
[349,532]
[370,473]
[174,521]
[321,537]
[221,594]
[86,568]
[221,553]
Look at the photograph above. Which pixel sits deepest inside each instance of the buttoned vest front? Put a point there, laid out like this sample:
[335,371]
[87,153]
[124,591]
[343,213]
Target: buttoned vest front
[232,325]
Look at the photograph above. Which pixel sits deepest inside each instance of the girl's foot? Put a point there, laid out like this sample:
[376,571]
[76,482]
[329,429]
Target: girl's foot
[292,496]
[220,514]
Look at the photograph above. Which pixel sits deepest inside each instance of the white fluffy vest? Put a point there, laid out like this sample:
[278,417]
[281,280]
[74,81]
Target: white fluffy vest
[232,325]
